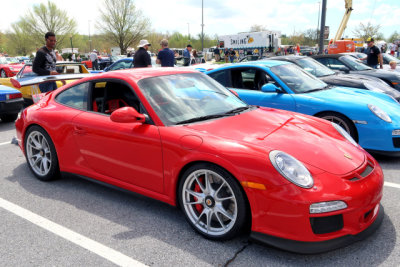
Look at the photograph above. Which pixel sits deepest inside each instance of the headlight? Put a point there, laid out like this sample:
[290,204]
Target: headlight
[11,68]
[292,169]
[379,113]
[344,133]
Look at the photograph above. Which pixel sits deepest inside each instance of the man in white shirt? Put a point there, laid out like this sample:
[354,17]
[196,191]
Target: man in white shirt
[93,57]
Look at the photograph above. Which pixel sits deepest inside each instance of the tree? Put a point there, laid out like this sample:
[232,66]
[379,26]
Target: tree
[122,23]
[257,28]
[364,31]
[44,18]
[393,37]
[20,40]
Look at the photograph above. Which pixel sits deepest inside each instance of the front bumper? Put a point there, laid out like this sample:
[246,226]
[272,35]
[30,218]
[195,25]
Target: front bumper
[283,212]
[12,106]
[322,246]
[378,138]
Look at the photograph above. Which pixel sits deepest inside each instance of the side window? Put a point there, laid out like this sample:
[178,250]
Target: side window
[323,61]
[108,96]
[222,77]
[75,97]
[121,65]
[335,64]
[251,78]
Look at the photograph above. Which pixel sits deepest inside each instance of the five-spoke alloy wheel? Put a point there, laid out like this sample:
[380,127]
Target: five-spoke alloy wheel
[212,201]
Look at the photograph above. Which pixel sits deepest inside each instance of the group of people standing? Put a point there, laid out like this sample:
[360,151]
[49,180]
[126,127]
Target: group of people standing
[229,55]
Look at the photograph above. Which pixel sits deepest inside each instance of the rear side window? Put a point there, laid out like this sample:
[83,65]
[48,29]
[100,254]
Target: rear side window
[222,77]
[75,97]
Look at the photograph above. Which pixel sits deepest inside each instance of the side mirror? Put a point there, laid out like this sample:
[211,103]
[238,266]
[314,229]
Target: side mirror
[127,115]
[344,69]
[270,88]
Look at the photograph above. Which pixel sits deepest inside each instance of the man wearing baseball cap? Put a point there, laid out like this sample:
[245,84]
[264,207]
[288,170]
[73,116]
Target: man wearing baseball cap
[374,55]
[142,59]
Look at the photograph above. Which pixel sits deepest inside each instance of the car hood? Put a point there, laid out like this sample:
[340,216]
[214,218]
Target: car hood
[379,73]
[361,81]
[345,96]
[308,139]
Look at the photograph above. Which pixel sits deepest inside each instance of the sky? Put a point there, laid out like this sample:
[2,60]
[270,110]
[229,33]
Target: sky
[224,17]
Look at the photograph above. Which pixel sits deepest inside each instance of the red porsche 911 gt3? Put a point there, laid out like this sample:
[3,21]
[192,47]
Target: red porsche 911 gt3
[301,183]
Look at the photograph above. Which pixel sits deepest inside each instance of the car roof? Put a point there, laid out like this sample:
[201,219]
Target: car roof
[264,62]
[60,63]
[137,74]
[329,55]
[287,58]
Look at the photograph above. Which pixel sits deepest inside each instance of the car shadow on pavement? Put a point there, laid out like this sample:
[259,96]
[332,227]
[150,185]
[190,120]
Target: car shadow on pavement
[6,126]
[164,233]
[146,219]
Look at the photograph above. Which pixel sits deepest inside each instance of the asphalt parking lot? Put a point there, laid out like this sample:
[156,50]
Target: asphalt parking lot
[75,222]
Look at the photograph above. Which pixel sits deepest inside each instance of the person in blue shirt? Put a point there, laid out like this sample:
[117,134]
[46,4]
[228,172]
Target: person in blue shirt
[166,56]
[187,55]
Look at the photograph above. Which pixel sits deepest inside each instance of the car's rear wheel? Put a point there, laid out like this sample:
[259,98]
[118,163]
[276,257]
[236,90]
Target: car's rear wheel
[41,154]
[342,121]
[3,74]
[8,117]
[212,201]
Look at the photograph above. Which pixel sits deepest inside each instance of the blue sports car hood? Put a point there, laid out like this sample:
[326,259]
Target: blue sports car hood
[357,99]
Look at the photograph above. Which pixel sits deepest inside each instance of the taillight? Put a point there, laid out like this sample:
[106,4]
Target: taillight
[13,96]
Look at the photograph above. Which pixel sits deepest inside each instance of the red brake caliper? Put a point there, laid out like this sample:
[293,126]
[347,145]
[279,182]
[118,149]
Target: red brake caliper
[199,207]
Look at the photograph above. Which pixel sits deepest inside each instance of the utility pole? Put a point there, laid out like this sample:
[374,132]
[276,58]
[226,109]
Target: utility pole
[202,27]
[90,41]
[319,15]
[322,30]
[188,33]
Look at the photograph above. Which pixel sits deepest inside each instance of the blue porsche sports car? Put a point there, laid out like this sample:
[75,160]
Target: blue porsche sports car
[371,118]
[11,103]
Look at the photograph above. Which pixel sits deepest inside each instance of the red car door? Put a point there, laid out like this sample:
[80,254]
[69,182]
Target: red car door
[130,152]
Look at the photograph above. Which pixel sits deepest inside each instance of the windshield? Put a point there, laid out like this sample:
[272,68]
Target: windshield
[354,64]
[182,97]
[297,79]
[12,60]
[389,58]
[314,67]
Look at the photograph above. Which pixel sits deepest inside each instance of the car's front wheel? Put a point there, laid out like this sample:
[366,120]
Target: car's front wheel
[342,121]
[41,154]
[3,74]
[212,201]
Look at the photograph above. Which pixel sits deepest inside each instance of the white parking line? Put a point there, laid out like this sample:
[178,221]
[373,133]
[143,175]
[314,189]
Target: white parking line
[5,143]
[80,240]
[392,185]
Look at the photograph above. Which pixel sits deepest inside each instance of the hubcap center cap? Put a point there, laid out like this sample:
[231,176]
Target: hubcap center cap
[41,152]
[210,202]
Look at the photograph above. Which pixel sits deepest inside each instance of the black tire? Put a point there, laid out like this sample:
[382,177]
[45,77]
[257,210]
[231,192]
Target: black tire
[41,154]
[224,204]
[342,121]
[8,117]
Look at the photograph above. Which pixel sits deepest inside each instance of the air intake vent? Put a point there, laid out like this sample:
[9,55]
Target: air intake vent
[367,171]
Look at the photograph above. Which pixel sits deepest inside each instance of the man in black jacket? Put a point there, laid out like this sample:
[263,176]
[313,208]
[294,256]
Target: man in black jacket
[142,59]
[45,62]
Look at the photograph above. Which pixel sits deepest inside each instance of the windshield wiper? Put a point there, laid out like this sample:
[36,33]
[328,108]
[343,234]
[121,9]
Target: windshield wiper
[203,118]
[237,110]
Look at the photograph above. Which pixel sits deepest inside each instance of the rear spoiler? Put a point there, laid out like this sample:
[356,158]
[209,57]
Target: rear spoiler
[34,83]
[50,78]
